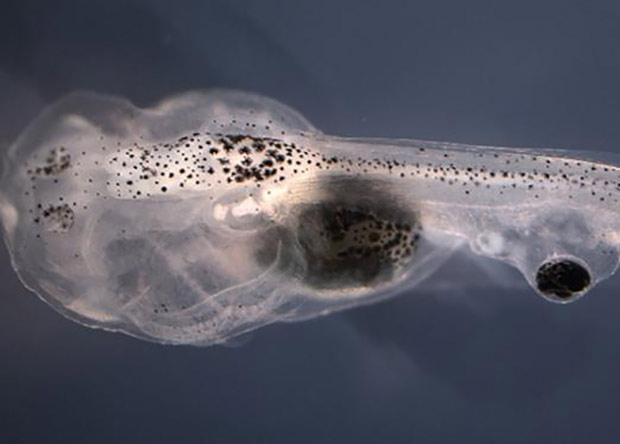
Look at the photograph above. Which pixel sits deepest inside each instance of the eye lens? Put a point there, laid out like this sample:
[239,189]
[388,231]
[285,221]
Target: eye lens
[562,278]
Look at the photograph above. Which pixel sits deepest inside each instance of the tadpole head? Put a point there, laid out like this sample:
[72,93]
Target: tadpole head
[562,279]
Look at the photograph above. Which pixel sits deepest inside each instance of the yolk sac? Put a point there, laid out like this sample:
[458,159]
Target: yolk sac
[346,246]
[562,279]
[346,235]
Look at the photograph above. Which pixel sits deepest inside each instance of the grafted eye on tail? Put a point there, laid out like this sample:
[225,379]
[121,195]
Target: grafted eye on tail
[562,253]
[563,279]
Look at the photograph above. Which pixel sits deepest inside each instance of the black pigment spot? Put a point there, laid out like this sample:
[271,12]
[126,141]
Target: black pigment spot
[58,218]
[562,278]
[57,161]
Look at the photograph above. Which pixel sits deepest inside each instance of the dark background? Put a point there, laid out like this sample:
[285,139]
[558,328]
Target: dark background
[468,360]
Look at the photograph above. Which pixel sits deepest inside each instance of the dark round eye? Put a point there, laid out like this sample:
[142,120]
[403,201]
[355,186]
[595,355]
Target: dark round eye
[562,278]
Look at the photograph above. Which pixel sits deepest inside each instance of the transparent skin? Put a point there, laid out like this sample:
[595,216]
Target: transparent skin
[214,213]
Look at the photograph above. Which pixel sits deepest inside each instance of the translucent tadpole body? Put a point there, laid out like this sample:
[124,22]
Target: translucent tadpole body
[214,213]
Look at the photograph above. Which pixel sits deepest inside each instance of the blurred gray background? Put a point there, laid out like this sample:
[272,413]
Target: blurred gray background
[468,358]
